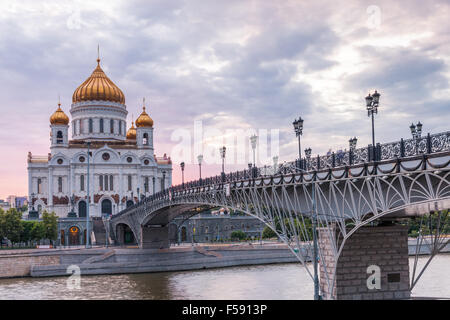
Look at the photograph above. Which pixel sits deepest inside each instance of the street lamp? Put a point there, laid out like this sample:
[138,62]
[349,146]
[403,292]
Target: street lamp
[200,160]
[105,218]
[222,155]
[352,143]
[372,102]
[88,195]
[308,157]
[182,173]
[253,140]
[275,164]
[416,130]
[298,128]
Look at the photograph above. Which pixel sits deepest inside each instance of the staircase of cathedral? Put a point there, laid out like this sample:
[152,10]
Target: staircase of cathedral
[99,231]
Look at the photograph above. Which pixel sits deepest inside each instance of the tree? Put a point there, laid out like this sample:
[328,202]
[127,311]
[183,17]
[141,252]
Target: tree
[12,225]
[2,226]
[50,222]
[38,231]
[27,227]
[238,234]
[268,233]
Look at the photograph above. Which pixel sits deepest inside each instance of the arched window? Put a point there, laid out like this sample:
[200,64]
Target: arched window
[101,125]
[106,182]
[129,182]
[106,207]
[59,137]
[145,139]
[82,209]
[146,184]
[39,185]
[60,184]
[82,182]
[81,126]
[111,125]
[39,208]
[111,183]
[91,125]
[100,182]
[73,128]
[120,127]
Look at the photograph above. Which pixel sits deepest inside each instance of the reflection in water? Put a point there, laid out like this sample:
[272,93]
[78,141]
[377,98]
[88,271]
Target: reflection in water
[280,281]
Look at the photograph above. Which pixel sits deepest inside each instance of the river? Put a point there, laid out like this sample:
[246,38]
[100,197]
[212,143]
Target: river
[276,281]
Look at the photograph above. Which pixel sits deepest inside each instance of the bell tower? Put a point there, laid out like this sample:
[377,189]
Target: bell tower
[59,129]
[144,130]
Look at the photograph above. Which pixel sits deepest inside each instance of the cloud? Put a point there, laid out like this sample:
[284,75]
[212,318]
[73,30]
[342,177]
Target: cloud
[234,64]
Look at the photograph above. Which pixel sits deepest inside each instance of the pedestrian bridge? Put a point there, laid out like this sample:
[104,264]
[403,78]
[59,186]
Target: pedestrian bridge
[340,192]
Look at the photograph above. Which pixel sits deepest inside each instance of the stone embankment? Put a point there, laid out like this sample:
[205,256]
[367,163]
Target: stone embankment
[54,262]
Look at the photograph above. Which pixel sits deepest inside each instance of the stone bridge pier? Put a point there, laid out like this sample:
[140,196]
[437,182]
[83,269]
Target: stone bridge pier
[373,264]
[155,237]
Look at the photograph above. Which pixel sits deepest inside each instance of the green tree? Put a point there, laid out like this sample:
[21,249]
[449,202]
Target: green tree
[268,233]
[238,234]
[50,222]
[12,225]
[2,226]
[38,231]
[27,227]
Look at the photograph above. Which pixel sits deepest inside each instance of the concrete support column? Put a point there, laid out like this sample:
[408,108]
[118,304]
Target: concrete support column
[154,237]
[373,264]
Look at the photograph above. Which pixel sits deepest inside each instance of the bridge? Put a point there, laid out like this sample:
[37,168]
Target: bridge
[355,199]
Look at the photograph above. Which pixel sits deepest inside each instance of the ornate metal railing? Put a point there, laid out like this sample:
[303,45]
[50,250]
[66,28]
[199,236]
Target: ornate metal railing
[432,143]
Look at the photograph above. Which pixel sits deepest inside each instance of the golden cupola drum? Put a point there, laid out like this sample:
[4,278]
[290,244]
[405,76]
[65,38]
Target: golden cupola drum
[98,87]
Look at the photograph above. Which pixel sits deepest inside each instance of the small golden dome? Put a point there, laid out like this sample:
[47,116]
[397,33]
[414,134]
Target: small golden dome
[59,117]
[131,133]
[98,87]
[144,120]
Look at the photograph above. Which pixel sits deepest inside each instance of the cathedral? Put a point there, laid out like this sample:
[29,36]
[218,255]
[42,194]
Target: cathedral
[115,166]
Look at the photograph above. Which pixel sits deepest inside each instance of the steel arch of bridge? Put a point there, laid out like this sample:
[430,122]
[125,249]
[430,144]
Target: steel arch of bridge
[347,198]
[401,179]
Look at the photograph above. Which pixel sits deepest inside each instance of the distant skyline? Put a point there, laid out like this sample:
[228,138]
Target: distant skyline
[232,65]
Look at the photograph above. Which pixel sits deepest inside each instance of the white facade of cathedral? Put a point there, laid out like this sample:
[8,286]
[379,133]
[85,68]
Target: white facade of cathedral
[122,164]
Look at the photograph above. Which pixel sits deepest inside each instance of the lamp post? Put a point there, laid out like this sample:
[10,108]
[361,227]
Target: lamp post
[222,155]
[105,218]
[308,157]
[298,128]
[200,160]
[416,130]
[372,102]
[182,173]
[352,143]
[88,195]
[253,141]
[275,164]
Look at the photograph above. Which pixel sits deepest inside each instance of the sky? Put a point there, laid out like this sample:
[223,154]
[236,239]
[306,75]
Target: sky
[228,65]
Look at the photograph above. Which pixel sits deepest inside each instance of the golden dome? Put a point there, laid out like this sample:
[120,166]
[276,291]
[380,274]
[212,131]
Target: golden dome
[98,87]
[59,117]
[131,133]
[144,119]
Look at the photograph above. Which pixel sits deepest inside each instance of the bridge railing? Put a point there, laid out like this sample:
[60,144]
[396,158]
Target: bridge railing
[431,143]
